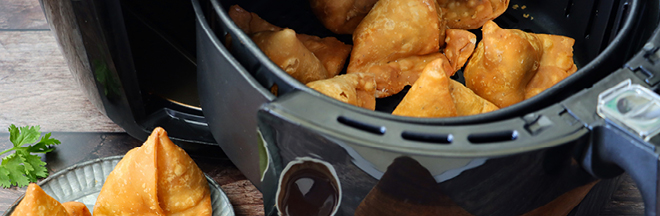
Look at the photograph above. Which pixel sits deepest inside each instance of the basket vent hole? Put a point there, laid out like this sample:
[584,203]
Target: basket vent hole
[493,137]
[429,138]
[569,5]
[378,130]
[592,18]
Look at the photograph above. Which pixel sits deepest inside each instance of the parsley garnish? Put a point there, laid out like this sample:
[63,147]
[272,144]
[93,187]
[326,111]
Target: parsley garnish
[21,167]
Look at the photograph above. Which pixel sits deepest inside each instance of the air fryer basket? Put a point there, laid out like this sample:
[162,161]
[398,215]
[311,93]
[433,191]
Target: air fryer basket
[603,30]
[538,137]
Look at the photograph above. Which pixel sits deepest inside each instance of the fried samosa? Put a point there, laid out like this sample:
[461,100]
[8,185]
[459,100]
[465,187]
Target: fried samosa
[503,64]
[556,63]
[158,178]
[392,31]
[287,52]
[250,22]
[467,102]
[460,45]
[341,16]
[392,77]
[358,89]
[471,14]
[37,203]
[435,95]
[430,95]
[331,52]
[76,208]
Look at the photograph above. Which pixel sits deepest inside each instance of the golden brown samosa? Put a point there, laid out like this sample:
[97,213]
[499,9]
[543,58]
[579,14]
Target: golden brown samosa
[467,102]
[331,52]
[435,95]
[393,31]
[76,209]
[287,52]
[460,45]
[556,63]
[503,63]
[341,16]
[358,89]
[37,203]
[471,14]
[249,22]
[158,178]
[430,96]
[390,32]
[392,77]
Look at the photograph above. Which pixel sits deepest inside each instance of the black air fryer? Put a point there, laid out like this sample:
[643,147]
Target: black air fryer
[136,62]
[312,155]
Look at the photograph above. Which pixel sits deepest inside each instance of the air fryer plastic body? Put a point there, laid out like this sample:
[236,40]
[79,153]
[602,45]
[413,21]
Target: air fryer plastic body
[480,181]
[136,64]
[508,162]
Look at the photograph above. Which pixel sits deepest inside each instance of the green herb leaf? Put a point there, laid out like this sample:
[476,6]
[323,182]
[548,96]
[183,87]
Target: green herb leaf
[14,165]
[5,182]
[38,167]
[43,145]
[13,133]
[22,167]
[26,135]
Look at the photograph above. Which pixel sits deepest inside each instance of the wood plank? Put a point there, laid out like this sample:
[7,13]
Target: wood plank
[563,204]
[626,200]
[22,14]
[243,195]
[36,87]
[594,202]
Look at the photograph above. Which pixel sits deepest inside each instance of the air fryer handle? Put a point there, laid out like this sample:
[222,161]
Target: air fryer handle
[615,149]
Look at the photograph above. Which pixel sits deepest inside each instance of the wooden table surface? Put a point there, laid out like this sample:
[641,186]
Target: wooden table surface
[36,88]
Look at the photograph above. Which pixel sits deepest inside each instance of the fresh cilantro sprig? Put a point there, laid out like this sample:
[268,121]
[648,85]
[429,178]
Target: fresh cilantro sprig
[22,167]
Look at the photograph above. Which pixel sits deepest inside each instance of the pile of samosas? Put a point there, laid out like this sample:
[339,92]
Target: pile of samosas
[398,43]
